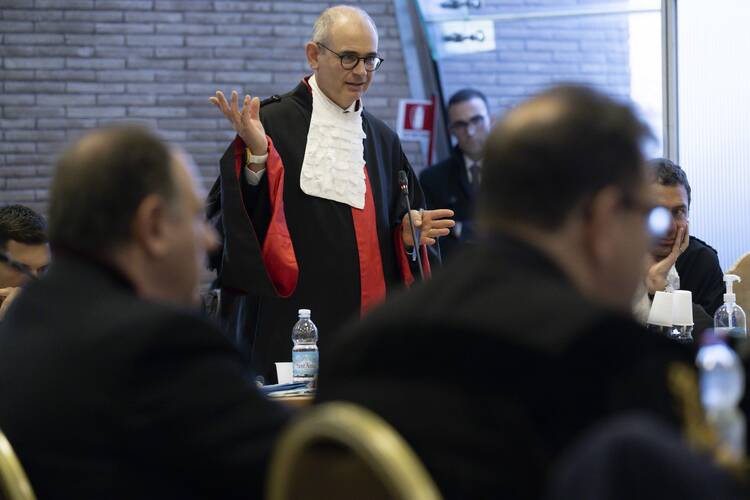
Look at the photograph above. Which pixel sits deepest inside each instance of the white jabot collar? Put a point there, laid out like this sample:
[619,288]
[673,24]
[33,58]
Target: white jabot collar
[333,167]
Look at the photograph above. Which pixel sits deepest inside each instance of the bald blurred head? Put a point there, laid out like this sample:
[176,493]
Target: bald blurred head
[99,183]
[553,152]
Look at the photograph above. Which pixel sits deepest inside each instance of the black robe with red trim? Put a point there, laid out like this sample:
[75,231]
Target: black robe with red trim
[284,250]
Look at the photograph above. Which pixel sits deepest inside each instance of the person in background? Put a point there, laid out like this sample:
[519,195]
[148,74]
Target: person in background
[454,182]
[678,260]
[113,386]
[495,366]
[23,240]
[309,202]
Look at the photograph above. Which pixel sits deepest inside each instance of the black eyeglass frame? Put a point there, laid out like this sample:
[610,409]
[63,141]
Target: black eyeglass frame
[352,66]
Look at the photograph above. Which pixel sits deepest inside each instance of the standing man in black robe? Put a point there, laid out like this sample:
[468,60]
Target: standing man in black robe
[308,200]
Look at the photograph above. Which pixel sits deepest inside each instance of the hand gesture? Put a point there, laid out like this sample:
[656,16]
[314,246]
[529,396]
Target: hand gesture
[430,225]
[246,122]
[656,274]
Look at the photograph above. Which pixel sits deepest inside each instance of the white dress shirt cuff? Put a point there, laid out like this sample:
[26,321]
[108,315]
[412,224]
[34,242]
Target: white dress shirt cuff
[253,178]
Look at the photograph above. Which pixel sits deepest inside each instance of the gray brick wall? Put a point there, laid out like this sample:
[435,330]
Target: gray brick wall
[67,66]
[533,54]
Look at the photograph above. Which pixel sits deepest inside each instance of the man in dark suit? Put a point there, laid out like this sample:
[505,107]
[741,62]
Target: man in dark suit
[454,183]
[495,366]
[111,386]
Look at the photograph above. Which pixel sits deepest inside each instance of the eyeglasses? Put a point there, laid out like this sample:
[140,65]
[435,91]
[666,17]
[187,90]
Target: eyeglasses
[658,219]
[350,61]
[462,126]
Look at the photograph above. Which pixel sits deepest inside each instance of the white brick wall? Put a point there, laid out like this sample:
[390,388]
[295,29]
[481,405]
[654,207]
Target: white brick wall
[67,66]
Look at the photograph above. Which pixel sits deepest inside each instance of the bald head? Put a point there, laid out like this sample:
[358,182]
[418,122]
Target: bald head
[334,17]
[100,181]
[552,152]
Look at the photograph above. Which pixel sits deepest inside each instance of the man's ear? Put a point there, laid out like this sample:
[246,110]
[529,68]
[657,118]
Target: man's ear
[313,53]
[601,223]
[149,225]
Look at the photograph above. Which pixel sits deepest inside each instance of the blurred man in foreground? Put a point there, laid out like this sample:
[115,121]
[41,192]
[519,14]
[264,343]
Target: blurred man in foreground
[498,364]
[111,387]
[23,250]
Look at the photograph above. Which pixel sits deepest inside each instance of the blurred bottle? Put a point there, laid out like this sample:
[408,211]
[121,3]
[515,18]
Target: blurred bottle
[730,319]
[722,385]
[305,351]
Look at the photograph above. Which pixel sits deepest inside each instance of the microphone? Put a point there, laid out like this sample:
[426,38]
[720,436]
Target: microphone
[403,182]
[18,266]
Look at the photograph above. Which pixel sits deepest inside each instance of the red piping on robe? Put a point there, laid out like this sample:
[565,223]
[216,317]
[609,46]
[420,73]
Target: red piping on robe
[278,251]
[372,281]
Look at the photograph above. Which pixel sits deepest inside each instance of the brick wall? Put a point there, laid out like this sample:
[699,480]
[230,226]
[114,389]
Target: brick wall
[533,54]
[67,66]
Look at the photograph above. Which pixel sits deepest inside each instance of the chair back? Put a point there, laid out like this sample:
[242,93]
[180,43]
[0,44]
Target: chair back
[14,485]
[742,289]
[342,451]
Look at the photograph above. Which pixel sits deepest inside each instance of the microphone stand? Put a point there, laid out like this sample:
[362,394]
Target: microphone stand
[403,181]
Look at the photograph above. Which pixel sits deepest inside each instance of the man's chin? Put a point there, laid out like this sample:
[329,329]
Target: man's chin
[661,251]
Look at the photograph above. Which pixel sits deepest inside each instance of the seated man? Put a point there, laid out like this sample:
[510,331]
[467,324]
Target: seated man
[23,240]
[492,368]
[678,260]
[454,183]
[111,386]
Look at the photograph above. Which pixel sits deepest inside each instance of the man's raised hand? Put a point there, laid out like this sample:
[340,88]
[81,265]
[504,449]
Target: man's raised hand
[246,121]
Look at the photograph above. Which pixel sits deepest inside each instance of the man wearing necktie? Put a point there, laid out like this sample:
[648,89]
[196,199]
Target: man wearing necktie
[454,182]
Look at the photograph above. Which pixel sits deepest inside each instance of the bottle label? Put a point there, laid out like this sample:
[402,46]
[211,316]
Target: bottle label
[305,363]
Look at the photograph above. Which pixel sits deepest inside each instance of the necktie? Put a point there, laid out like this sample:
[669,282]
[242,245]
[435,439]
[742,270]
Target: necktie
[475,177]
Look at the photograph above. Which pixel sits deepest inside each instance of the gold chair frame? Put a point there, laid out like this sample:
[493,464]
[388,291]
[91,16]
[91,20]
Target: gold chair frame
[364,434]
[13,481]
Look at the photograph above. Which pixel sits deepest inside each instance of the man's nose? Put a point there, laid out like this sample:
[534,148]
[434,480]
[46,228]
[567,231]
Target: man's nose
[359,68]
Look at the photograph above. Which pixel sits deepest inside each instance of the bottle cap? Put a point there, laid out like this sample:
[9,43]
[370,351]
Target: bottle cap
[304,313]
[729,279]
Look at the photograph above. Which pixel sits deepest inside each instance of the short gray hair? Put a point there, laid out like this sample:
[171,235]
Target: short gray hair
[326,20]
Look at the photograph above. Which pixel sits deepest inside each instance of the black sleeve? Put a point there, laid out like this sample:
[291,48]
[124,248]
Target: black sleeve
[704,277]
[241,214]
[193,414]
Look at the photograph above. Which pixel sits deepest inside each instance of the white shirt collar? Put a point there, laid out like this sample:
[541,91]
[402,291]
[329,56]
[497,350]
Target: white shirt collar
[314,84]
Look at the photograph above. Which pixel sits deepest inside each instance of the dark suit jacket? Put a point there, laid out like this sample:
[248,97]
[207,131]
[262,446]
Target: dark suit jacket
[104,395]
[495,366]
[700,272]
[446,185]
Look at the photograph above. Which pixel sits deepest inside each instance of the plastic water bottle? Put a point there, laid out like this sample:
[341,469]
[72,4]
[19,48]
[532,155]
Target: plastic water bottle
[305,350]
[730,319]
[722,384]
